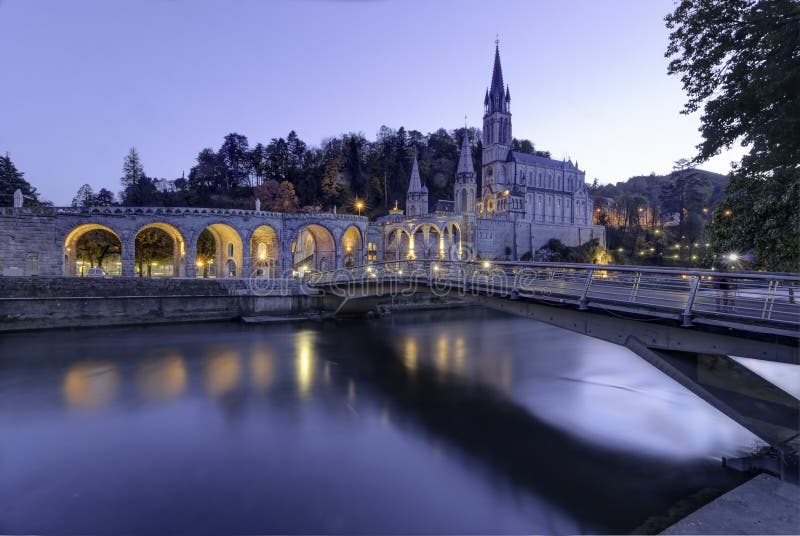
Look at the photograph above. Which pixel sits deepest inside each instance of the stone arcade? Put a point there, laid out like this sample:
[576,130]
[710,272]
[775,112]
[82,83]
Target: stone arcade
[42,241]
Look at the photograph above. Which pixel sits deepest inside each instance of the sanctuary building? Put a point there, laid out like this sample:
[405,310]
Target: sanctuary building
[525,200]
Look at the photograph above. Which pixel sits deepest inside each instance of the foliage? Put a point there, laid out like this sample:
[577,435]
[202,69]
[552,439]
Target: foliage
[277,196]
[153,245]
[589,253]
[12,180]
[740,61]
[94,246]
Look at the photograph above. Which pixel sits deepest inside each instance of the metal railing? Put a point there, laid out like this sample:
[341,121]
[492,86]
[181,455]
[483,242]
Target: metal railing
[752,301]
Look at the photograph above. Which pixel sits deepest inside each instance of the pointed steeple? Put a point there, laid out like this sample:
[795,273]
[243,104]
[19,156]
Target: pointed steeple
[465,158]
[497,72]
[415,184]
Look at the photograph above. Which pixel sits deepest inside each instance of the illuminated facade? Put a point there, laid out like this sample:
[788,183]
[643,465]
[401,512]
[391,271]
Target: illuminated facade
[525,200]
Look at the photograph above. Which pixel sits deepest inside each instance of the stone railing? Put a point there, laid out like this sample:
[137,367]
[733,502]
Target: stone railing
[170,211]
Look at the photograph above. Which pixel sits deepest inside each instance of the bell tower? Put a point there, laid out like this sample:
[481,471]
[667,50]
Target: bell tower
[496,129]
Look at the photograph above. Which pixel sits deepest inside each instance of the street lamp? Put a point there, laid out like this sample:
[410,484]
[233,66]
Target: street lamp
[359,206]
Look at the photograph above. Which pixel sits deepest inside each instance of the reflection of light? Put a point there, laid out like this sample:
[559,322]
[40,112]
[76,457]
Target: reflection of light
[441,353]
[162,379]
[410,355]
[262,369]
[304,361]
[222,373]
[459,353]
[351,391]
[487,264]
[90,385]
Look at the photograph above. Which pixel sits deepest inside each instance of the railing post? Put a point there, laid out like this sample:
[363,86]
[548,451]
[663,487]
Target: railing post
[687,312]
[583,301]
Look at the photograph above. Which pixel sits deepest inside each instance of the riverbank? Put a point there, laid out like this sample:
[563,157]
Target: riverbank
[37,303]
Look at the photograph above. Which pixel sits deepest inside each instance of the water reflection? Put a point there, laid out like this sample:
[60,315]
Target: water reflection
[162,379]
[305,362]
[262,368]
[222,371]
[90,384]
[476,423]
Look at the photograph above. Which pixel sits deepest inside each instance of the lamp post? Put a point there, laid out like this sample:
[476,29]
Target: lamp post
[359,206]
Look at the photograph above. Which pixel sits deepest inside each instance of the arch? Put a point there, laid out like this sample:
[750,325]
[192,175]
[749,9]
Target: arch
[352,247]
[452,238]
[152,257]
[222,256]
[77,254]
[264,252]
[397,241]
[427,242]
[314,248]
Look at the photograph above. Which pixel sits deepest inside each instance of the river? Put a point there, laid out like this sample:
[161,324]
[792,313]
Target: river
[462,421]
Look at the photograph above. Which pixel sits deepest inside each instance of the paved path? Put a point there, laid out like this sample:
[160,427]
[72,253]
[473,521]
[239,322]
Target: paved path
[763,505]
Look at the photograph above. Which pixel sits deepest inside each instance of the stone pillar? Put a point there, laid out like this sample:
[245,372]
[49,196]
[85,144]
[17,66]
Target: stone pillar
[128,256]
[190,260]
[245,269]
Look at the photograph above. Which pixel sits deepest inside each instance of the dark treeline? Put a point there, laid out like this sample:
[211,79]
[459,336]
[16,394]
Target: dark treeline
[287,174]
[660,219]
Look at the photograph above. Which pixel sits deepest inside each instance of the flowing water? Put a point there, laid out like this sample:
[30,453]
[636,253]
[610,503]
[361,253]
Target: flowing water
[426,422]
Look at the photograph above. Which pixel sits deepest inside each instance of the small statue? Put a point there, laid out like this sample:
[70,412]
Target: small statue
[258,205]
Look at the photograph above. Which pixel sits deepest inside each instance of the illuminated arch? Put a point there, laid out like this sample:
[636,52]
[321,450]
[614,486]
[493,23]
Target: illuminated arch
[228,254]
[352,247]
[314,248]
[111,265]
[427,242]
[396,244]
[264,252]
[175,268]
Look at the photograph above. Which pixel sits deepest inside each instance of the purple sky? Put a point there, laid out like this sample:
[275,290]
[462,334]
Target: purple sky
[83,81]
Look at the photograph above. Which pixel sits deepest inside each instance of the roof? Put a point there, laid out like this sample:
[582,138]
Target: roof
[415,184]
[536,160]
[465,158]
[443,205]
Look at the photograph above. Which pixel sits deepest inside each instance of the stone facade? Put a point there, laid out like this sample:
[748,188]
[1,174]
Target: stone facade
[42,241]
[526,200]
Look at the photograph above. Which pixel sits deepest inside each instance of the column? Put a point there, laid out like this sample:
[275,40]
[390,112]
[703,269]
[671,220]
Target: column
[190,260]
[128,256]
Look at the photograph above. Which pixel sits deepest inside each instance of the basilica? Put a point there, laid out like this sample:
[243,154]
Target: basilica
[525,200]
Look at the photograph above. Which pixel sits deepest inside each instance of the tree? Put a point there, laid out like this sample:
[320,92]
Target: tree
[95,245]
[84,197]
[739,60]
[12,180]
[132,169]
[152,245]
[277,196]
[104,198]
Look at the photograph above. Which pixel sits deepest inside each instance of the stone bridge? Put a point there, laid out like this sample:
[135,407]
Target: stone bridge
[44,241]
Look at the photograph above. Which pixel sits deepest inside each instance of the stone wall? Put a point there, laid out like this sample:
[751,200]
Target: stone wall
[28,303]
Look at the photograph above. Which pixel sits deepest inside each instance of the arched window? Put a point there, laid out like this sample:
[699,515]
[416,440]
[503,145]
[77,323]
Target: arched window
[230,249]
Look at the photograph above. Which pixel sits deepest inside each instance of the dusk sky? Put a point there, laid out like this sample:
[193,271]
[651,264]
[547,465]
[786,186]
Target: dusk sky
[83,81]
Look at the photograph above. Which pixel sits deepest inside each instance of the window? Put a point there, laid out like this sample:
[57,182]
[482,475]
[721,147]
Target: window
[372,252]
[33,264]
[230,250]
[558,202]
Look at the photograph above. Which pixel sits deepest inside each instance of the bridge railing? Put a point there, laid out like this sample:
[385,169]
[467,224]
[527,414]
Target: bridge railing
[732,299]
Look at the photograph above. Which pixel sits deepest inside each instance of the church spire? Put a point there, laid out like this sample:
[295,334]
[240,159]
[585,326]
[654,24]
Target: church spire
[497,72]
[465,158]
[415,184]
[498,95]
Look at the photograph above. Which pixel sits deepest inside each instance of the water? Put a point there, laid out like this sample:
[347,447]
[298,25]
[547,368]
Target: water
[446,422]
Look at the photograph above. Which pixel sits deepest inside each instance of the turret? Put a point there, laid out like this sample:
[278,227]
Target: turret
[417,196]
[465,188]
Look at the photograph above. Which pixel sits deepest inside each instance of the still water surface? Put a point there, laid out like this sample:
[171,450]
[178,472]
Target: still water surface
[458,422]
